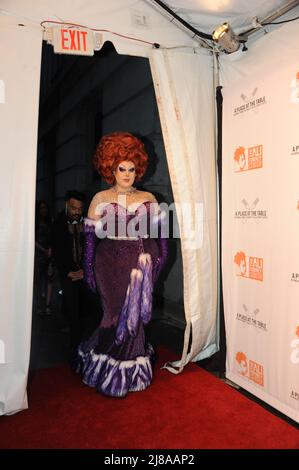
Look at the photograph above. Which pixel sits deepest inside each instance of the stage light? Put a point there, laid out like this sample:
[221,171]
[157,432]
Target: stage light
[226,39]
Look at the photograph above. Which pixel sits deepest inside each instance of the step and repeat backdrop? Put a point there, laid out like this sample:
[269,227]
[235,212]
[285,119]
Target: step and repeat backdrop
[260,235]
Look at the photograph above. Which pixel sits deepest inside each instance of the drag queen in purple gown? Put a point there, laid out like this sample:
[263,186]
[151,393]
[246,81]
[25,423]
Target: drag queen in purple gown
[125,251]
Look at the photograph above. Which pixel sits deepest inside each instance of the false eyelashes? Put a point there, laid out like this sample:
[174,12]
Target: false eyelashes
[130,170]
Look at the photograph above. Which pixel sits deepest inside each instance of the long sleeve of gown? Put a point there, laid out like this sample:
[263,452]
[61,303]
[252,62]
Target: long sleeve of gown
[89,254]
[163,244]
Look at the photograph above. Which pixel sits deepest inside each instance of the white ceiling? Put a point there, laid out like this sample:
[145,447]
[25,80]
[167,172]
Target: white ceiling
[206,15]
[118,16]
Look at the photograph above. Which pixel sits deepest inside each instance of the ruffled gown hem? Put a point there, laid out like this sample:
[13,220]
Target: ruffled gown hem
[115,378]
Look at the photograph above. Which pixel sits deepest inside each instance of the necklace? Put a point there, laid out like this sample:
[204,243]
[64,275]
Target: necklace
[130,191]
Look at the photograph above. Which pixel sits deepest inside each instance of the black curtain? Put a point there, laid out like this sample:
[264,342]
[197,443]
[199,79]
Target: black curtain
[219,101]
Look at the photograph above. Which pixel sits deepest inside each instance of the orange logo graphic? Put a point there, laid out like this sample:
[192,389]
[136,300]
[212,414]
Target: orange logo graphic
[240,260]
[249,159]
[240,159]
[254,372]
[242,363]
[250,267]
[295,347]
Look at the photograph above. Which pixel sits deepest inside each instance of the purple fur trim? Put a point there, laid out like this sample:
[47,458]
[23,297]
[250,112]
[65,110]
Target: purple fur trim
[122,330]
[147,292]
[114,377]
[130,312]
[134,303]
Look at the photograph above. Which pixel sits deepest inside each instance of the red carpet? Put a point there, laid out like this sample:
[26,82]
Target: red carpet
[193,410]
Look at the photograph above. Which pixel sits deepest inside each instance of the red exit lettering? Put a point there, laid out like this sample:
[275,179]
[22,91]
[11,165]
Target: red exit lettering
[72,40]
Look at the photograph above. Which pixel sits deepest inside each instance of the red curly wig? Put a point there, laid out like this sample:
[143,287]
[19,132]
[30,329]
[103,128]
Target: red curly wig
[118,147]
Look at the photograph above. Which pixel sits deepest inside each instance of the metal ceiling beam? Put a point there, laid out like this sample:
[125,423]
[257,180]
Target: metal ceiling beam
[269,19]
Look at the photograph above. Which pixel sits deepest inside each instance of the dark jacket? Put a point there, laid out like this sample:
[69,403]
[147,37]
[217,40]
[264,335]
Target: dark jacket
[62,240]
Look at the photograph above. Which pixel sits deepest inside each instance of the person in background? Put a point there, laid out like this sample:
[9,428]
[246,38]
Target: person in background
[67,247]
[43,266]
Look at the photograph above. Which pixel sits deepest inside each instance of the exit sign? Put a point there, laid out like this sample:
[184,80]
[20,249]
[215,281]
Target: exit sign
[78,41]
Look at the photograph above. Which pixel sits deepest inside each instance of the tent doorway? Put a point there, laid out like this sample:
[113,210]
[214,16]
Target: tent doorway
[81,99]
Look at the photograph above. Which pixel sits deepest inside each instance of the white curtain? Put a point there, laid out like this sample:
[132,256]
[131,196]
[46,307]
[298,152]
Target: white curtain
[20,50]
[184,89]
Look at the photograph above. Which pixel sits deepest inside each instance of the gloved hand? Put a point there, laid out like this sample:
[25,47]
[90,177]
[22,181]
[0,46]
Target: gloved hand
[88,254]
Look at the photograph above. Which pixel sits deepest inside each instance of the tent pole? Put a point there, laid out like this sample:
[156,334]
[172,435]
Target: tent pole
[278,13]
[218,138]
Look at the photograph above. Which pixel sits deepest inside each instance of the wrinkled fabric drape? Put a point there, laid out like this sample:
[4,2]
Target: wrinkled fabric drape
[184,89]
[20,52]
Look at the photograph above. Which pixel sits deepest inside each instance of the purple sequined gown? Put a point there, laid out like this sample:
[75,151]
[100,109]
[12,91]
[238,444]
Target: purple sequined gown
[117,359]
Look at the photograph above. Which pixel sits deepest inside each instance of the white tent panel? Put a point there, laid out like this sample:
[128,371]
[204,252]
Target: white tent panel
[20,51]
[269,70]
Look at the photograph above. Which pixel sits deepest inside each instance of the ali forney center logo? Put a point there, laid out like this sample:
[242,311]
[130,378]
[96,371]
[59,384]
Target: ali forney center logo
[250,267]
[250,369]
[250,158]
[294,357]
[294,96]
